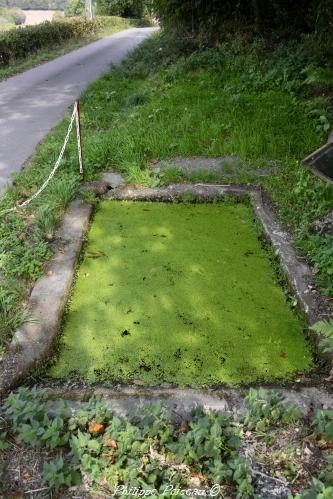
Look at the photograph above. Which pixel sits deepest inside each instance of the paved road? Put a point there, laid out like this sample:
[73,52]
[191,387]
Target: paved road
[32,102]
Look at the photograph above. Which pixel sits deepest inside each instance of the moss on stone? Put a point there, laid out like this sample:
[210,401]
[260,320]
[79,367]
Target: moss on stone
[178,293]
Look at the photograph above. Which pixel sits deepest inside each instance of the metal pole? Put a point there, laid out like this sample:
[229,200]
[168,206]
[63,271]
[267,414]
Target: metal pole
[89,10]
[79,135]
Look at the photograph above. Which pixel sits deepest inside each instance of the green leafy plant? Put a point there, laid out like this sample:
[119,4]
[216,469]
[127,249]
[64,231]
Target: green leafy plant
[323,424]
[4,444]
[318,490]
[267,408]
[325,328]
[27,411]
[147,450]
[56,474]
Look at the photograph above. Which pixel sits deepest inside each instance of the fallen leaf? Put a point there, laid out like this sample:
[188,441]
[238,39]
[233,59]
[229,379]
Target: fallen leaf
[27,474]
[184,426]
[199,479]
[325,444]
[111,443]
[95,427]
[49,273]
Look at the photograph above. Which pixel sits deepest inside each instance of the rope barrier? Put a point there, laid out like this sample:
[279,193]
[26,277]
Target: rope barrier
[75,117]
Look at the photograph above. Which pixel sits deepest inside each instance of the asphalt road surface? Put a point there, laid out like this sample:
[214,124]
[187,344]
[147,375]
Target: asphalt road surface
[32,102]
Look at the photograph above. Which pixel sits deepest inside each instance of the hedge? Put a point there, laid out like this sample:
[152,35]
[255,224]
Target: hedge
[209,19]
[22,42]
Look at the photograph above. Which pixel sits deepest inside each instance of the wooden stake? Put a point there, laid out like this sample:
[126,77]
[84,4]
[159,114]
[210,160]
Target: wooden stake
[79,135]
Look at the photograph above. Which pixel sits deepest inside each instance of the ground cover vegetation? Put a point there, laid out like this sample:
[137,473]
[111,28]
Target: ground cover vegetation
[200,279]
[267,103]
[155,447]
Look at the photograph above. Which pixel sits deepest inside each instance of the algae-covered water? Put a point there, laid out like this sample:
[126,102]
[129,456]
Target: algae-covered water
[178,293]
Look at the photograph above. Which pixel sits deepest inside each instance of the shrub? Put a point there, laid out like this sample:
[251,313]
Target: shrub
[209,19]
[21,42]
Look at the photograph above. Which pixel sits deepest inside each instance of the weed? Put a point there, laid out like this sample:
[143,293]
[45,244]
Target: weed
[153,447]
[46,220]
[326,329]
[318,490]
[57,474]
[266,408]
[146,451]
[323,424]
[12,315]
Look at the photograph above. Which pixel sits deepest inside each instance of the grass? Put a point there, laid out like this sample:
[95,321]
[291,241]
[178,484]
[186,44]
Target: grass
[114,24]
[171,98]
[178,293]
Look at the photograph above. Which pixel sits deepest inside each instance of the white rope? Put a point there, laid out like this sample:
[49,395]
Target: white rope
[53,171]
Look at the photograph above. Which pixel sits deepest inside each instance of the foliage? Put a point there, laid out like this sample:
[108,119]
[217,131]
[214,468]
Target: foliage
[75,8]
[57,474]
[123,8]
[22,42]
[23,250]
[323,424]
[267,408]
[326,329]
[145,451]
[12,315]
[208,20]
[318,490]
[151,448]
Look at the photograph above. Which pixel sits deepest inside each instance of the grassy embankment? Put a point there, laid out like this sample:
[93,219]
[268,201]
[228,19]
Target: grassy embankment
[262,104]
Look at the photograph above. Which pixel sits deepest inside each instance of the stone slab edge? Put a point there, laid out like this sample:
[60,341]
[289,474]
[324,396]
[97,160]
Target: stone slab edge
[300,275]
[33,341]
[124,400]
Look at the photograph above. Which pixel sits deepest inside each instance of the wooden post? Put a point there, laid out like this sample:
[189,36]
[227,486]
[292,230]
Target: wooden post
[79,135]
